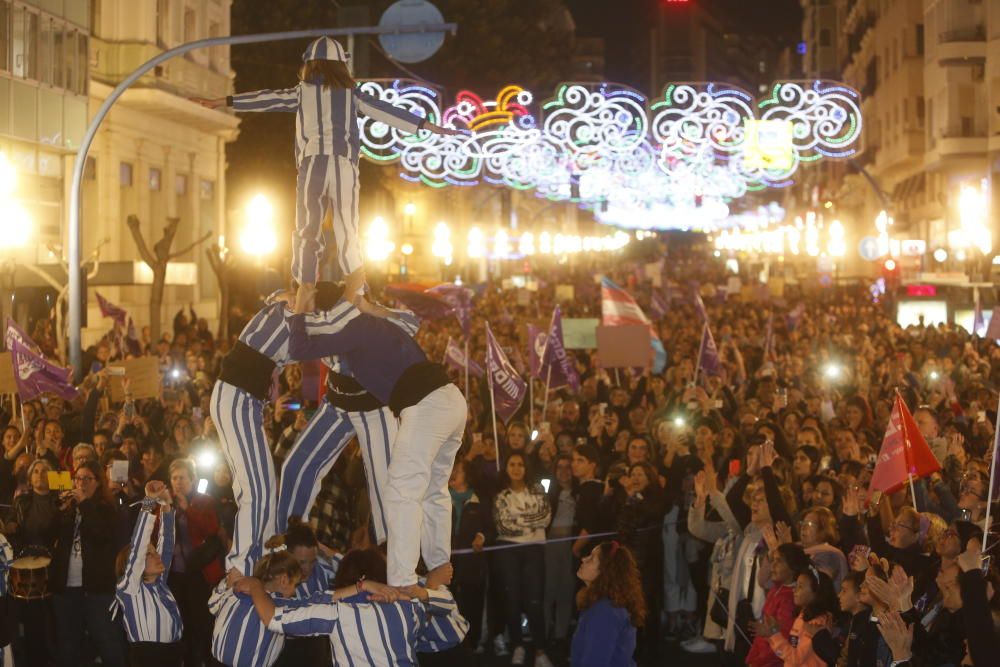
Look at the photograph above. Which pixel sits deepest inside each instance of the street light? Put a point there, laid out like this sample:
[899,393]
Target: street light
[477,243]
[15,225]
[379,247]
[442,248]
[258,237]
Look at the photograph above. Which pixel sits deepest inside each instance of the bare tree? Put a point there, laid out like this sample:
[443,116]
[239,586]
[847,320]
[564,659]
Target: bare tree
[220,260]
[157,261]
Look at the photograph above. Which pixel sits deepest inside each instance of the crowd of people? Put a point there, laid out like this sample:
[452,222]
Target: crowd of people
[719,511]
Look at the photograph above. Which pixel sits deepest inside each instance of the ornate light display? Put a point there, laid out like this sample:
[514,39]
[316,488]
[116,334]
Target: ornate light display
[605,147]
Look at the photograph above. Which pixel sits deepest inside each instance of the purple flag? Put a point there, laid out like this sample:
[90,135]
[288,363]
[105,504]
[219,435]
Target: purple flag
[978,323]
[460,299]
[454,357]
[556,357]
[424,304]
[34,375]
[108,309]
[16,333]
[699,305]
[506,386]
[536,348]
[132,344]
[708,355]
[993,329]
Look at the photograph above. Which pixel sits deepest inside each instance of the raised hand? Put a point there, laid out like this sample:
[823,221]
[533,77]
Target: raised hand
[972,557]
[783,532]
[897,635]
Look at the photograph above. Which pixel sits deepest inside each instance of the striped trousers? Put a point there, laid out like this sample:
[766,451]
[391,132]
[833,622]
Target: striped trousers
[324,184]
[318,448]
[239,419]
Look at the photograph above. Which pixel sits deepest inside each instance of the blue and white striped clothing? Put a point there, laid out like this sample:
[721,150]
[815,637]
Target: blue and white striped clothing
[442,632]
[239,638]
[149,610]
[376,350]
[6,558]
[323,572]
[326,121]
[267,333]
[404,319]
[367,633]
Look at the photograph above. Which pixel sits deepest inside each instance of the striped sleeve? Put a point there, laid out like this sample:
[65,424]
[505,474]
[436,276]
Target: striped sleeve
[443,629]
[384,112]
[311,620]
[285,99]
[318,335]
[166,543]
[405,320]
[6,556]
[136,565]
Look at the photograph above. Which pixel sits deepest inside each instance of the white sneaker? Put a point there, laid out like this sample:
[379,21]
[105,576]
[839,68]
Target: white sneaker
[518,657]
[542,660]
[500,646]
[698,645]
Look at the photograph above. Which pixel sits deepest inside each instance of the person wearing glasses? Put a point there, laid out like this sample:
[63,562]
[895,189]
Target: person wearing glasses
[83,570]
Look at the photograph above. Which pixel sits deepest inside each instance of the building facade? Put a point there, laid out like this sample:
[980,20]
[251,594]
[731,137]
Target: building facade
[157,156]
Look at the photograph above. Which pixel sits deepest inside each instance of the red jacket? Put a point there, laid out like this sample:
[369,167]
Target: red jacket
[203,523]
[780,604]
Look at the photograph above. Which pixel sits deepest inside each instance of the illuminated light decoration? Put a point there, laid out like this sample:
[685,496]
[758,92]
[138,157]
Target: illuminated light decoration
[476,243]
[941,255]
[501,244]
[378,247]
[526,246]
[441,247]
[836,246]
[600,146]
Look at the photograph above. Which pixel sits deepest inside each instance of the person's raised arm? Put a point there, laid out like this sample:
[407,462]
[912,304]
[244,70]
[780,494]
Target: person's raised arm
[397,117]
[281,100]
[131,581]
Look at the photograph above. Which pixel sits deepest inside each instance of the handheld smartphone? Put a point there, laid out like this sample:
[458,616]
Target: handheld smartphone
[981,417]
[581,441]
[602,408]
[734,468]
[293,406]
[119,472]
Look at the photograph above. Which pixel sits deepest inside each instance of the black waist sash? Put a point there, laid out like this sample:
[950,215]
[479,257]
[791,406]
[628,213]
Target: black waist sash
[248,369]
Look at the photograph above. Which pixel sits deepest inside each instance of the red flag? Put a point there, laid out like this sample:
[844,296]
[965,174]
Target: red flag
[904,452]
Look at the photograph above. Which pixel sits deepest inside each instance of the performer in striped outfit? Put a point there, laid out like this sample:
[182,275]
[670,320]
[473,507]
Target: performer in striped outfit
[432,412]
[364,628]
[6,604]
[239,639]
[327,149]
[347,410]
[152,620]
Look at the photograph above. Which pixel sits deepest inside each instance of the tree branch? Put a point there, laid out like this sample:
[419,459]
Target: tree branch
[140,242]
[191,247]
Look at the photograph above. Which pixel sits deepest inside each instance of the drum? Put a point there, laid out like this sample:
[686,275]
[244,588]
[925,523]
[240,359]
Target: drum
[29,577]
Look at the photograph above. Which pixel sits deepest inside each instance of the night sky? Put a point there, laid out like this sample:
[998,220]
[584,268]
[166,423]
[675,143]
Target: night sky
[621,22]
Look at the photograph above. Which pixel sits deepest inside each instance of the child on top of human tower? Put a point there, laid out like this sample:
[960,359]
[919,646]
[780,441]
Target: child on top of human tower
[327,148]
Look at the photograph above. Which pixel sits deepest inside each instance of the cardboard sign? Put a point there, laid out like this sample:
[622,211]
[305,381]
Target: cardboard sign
[580,333]
[144,373]
[624,346]
[7,384]
[565,293]
[60,480]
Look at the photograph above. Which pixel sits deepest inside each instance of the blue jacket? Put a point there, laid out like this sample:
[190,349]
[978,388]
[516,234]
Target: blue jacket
[604,637]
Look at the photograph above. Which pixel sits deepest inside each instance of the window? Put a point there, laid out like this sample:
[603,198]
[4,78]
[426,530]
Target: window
[920,111]
[163,22]
[824,37]
[90,169]
[69,59]
[45,44]
[4,36]
[967,126]
[58,57]
[207,190]
[215,52]
[155,177]
[24,33]
[181,185]
[125,174]
[190,25]
[920,39]
[83,64]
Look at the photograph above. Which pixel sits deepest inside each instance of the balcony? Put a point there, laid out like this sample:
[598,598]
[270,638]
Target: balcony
[965,46]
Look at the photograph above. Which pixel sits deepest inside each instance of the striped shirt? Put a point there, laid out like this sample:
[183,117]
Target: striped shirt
[326,118]
[6,557]
[367,633]
[267,331]
[239,639]
[149,610]
[404,319]
[323,572]
[378,352]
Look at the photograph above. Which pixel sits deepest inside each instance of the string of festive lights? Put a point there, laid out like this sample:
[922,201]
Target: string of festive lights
[605,147]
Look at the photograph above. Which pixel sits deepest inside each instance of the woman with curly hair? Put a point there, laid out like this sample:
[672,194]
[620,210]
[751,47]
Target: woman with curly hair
[611,608]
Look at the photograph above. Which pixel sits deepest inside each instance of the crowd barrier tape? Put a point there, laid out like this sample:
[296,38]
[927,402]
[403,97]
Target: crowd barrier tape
[555,540]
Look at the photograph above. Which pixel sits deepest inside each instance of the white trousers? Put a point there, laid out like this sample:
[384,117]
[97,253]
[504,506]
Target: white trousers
[417,502]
